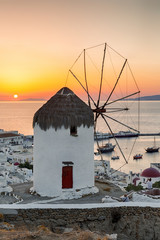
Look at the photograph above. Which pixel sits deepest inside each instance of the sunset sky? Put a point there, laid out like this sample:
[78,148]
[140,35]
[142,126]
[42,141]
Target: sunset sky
[40,40]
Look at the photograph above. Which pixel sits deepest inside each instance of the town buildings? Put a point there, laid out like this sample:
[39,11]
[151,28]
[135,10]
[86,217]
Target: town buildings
[13,151]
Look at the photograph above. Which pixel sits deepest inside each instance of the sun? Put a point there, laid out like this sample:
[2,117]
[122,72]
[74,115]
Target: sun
[15,96]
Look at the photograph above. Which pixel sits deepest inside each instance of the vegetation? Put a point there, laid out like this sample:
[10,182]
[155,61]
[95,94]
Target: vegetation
[26,165]
[156,185]
[131,187]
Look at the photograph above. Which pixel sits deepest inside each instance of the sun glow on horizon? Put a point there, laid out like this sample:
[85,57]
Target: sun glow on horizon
[41,41]
[15,96]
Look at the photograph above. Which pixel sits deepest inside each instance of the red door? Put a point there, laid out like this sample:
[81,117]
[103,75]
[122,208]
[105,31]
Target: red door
[67,177]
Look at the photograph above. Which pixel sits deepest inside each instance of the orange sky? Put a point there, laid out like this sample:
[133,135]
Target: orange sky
[40,40]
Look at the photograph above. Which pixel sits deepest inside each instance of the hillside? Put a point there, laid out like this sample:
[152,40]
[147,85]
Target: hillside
[148,98]
[33,99]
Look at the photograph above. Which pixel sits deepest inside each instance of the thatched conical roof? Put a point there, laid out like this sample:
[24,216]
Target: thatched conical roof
[64,109]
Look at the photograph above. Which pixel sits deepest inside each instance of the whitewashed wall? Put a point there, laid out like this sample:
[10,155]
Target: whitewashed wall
[144,179]
[51,148]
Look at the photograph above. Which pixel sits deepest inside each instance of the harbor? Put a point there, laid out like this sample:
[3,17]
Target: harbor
[140,143]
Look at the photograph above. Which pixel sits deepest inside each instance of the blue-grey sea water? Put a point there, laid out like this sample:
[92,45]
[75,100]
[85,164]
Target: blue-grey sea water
[19,116]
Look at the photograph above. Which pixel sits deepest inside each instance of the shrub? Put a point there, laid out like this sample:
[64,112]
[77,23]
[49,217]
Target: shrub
[156,185]
[26,165]
[133,187]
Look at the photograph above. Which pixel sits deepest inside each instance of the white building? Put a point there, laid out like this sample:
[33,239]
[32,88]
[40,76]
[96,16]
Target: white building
[152,173]
[133,178]
[12,137]
[142,178]
[28,141]
[155,165]
[101,167]
[20,157]
[63,146]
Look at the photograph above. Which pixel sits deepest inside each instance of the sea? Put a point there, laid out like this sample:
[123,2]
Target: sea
[18,115]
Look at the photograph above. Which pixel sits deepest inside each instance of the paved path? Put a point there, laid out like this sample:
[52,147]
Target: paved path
[22,190]
[105,188]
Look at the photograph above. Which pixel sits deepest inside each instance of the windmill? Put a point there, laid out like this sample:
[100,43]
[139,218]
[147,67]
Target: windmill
[107,81]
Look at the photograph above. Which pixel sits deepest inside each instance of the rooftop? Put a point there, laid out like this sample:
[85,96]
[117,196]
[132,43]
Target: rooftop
[150,173]
[5,135]
[156,165]
[64,109]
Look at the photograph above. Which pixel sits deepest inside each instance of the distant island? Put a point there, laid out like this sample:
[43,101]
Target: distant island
[148,98]
[33,99]
[145,98]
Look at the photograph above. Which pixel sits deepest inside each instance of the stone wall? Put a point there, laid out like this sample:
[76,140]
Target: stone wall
[140,223]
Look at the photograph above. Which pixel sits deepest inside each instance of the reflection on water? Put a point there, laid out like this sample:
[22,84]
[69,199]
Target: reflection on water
[18,115]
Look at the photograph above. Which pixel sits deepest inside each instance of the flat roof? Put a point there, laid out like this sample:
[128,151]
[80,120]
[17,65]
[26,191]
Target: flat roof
[156,164]
[5,135]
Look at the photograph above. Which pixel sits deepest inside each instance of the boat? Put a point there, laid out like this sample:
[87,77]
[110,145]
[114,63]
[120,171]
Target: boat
[152,149]
[137,156]
[122,134]
[108,147]
[115,157]
[101,136]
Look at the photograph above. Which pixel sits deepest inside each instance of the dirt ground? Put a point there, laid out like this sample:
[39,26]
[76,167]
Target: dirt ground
[48,235]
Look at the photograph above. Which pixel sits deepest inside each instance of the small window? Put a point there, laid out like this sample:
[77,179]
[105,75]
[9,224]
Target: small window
[73,131]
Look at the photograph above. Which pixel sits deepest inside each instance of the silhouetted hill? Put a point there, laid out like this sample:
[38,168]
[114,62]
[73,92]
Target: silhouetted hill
[148,98]
[33,99]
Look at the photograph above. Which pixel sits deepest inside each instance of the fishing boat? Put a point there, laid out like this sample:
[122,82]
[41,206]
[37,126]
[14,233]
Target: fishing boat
[114,156]
[108,147]
[152,149]
[137,156]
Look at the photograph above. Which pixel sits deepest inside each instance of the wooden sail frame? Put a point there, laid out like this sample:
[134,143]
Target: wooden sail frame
[103,110]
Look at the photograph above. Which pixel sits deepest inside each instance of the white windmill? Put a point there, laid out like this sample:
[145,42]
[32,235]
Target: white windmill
[63,146]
